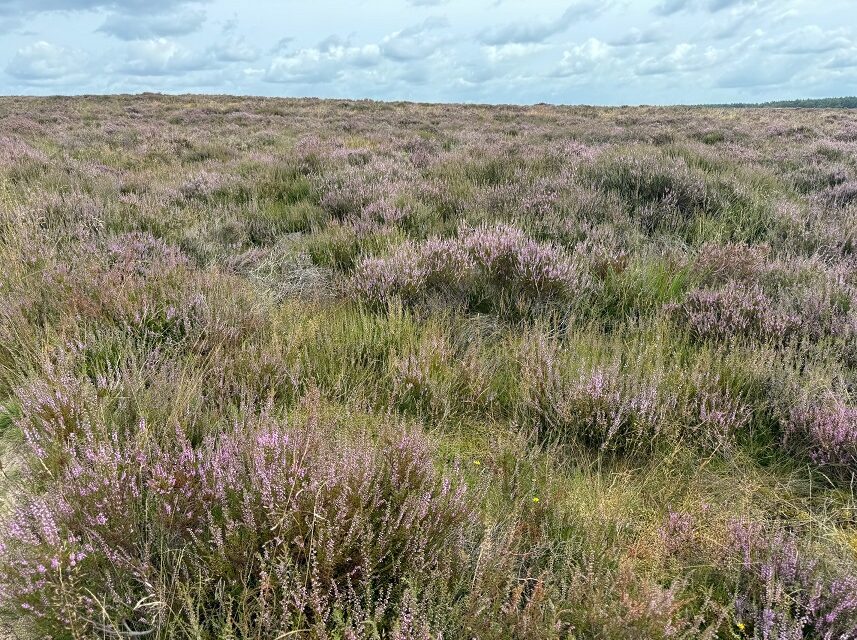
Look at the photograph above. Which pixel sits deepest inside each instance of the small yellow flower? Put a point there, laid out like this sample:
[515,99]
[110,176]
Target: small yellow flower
[535,499]
[741,626]
[476,462]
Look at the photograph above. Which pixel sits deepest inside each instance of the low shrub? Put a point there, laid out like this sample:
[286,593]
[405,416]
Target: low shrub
[480,264]
[647,179]
[734,311]
[270,527]
[826,430]
[783,591]
[608,409]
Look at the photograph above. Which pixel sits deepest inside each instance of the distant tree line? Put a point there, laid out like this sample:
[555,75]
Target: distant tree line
[849,102]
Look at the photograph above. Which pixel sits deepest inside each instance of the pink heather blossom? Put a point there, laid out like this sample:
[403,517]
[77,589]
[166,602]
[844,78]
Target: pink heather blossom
[828,428]
[503,255]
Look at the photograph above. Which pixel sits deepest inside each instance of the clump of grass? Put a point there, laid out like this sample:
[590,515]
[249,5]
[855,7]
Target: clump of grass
[713,137]
[270,221]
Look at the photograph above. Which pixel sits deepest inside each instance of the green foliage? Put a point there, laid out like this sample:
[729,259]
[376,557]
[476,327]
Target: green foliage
[807,103]
[276,218]
[713,137]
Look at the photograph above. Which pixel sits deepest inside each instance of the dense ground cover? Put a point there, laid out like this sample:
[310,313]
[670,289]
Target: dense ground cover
[278,368]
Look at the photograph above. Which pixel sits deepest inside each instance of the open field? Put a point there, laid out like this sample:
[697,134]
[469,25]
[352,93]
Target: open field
[330,369]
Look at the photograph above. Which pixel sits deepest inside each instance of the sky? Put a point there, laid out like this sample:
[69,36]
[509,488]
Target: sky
[495,51]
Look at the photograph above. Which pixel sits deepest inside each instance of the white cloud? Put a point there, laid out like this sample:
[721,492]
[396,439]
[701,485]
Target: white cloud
[671,7]
[749,74]
[417,42]
[843,59]
[528,32]
[504,52]
[43,61]
[133,6]
[323,63]
[161,57]
[233,49]
[583,58]
[492,50]
[682,58]
[809,40]
[636,36]
[139,27]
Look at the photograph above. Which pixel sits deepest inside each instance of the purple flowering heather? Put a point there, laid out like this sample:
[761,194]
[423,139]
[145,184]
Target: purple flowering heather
[840,195]
[828,428]
[203,185]
[142,254]
[677,533]
[502,256]
[720,263]
[505,253]
[735,310]
[414,269]
[325,523]
[15,150]
[347,193]
[784,593]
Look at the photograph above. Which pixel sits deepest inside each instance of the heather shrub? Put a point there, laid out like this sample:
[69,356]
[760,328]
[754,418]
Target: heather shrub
[203,185]
[771,584]
[783,591]
[68,215]
[506,255]
[161,298]
[596,410]
[825,429]
[142,254]
[144,286]
[719,263]
[13,151]
[578,204]
[841,195]
[480,265]
[742,296]
[653,180]
[734,311]
[346,193]
[543,590]
[684,194]
[818,176]
[607,408]
[273,526]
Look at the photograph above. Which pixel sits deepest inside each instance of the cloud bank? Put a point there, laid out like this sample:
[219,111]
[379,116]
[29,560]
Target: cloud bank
[572,51]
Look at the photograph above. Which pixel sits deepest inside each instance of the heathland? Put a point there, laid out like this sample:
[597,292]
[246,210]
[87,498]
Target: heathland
[335,369]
